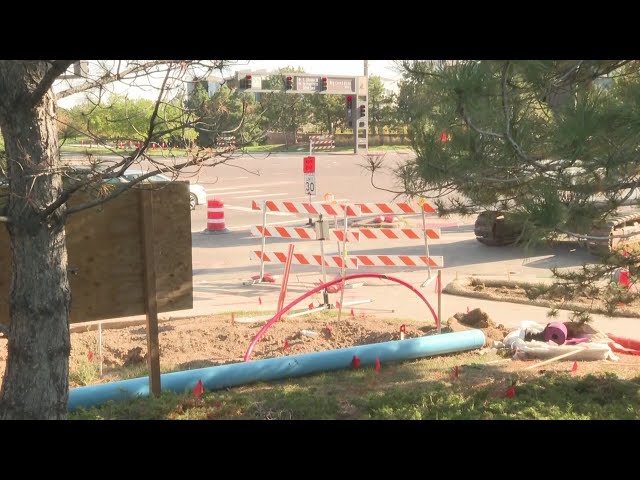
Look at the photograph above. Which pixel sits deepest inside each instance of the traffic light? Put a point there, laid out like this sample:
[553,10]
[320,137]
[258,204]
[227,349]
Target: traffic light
[288,83]
[247,81]
[363,111]
[325,84]
[349,110]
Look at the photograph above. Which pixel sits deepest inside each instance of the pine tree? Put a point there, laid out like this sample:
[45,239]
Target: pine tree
[553,145]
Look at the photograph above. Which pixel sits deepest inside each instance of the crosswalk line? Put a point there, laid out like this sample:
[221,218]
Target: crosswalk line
[215,191]
[257,197]
[261,185]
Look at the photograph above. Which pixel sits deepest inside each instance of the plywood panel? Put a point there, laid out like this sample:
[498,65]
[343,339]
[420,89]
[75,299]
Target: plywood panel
[105,250]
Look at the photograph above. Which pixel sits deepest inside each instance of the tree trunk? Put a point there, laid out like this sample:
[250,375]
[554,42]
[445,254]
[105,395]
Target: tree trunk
[36,380]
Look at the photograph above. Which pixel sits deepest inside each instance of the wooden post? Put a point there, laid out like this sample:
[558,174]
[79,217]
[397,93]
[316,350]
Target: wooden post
[439,284]
[151,303]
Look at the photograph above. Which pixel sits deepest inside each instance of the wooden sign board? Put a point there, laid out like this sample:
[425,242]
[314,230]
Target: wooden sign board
[107,258]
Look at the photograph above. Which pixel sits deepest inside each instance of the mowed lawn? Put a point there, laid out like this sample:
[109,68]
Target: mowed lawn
[422,389]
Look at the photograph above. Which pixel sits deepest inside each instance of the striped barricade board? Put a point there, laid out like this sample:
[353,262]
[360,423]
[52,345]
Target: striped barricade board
[322,142]
[398,261]
[302,208]
[394,208]
[306,259]
[299,232]
[389,233]
[284,232]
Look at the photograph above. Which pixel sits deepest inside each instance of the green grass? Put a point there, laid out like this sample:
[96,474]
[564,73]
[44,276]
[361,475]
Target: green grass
[106,151]
[305,148]
[390,147]
[420,390]
[85,373]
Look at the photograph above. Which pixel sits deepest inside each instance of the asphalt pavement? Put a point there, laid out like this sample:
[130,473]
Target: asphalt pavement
[222,264]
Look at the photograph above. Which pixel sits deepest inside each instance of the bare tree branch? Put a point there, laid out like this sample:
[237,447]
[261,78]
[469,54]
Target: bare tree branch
[573,69]
[57,68]
[138,70]
[127,186]
[89,84]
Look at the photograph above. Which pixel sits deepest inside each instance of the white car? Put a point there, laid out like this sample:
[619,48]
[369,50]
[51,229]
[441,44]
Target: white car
[197,194]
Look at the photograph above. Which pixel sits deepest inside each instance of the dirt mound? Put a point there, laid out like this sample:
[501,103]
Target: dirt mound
[476,318]
[134,356]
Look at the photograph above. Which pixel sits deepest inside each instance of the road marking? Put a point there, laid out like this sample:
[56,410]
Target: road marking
[263,195]
[213,190]
[262,185]
[306,197]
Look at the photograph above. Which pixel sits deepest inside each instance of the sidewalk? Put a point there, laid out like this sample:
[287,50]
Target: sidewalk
[388,300]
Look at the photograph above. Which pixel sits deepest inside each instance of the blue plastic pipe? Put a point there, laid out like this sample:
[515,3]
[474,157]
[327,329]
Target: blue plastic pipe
[233,374]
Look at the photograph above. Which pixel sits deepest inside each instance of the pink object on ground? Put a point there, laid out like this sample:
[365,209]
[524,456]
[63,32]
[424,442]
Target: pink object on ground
[556,332]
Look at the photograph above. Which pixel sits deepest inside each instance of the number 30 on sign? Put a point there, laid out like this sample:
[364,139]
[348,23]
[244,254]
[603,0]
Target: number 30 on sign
[310,184]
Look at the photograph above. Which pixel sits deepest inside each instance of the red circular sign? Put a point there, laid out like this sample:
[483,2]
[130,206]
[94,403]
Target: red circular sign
[309,165]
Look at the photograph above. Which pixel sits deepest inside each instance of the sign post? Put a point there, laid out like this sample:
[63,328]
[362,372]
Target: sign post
[309,170]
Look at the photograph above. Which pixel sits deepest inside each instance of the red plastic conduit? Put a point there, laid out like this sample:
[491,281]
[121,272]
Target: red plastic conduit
[277,316]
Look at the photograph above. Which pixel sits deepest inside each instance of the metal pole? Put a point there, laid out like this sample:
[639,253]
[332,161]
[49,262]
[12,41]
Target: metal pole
[324,269]
[307,312]
[366,68]
[343,270]
[439,301]
[426,245]
[354,118]
[310,153]
[264,240]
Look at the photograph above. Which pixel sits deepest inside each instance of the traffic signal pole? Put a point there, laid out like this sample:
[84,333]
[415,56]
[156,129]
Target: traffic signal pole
[360,116]
[356,90]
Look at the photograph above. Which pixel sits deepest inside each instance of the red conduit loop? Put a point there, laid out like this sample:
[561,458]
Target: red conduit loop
[278,315]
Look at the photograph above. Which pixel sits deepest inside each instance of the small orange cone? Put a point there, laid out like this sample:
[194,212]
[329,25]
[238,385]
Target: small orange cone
[574,369]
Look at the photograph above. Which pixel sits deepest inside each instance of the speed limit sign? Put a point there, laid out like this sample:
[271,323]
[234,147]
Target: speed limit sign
[310,184]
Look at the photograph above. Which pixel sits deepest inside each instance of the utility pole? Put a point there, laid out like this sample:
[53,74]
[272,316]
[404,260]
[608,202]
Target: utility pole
[357,120]
[362,123]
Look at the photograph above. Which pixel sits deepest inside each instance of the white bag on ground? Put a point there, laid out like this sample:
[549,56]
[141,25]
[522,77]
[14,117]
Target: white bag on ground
[542,350]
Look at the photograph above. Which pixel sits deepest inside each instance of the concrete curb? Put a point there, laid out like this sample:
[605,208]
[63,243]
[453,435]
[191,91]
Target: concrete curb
[458,288]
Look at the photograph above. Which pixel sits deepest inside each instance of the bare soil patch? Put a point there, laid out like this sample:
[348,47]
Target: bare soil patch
[476,318]
[216,339]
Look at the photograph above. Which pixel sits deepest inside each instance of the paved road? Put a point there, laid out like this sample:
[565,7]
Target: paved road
[222,262]
[280,177]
